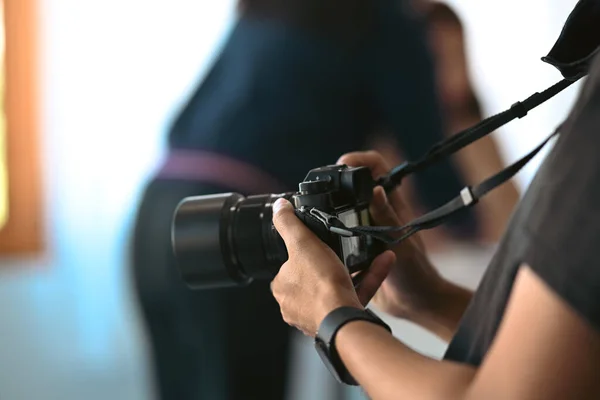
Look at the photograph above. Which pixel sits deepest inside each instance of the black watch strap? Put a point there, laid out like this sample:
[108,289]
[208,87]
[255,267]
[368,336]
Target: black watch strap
[325,339]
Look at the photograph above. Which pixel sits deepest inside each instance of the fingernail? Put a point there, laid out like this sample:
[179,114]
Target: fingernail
[391,257]
[340,161]
[279,204]
[380,196]
[383,195]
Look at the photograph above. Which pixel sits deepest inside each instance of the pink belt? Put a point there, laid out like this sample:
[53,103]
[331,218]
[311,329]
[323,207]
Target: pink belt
[212,168]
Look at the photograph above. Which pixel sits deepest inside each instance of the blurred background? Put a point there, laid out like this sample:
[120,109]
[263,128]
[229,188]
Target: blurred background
[110,75]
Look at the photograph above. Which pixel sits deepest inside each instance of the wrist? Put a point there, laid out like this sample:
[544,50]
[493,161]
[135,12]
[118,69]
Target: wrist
[333,299]
[334,324]
[353,331]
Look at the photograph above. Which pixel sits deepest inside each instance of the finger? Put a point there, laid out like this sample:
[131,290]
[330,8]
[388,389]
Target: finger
[292,230]
[379,200]
[404,212]
[395,204]
[370,159]
[382,212]
[379,167]
[375,276]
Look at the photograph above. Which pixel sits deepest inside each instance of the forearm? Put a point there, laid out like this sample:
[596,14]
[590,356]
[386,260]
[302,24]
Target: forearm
[438,304]
[443,314]
[388,369]
[478,162]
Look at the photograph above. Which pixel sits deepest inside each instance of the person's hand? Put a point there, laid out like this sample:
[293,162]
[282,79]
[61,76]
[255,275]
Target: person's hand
[413,284]
[314,281]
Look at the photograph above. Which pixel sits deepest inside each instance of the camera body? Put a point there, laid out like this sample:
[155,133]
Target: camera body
[229,240]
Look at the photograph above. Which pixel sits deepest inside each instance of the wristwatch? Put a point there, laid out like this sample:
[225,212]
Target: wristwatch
[325,339]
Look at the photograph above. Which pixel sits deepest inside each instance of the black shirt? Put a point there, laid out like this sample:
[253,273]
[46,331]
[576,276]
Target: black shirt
[555,230]
[287,100]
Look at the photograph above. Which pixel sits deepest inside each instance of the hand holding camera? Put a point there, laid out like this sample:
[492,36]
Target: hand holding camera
[413,284]
[314,281]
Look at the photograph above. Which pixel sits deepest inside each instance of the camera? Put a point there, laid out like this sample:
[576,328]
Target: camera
[225,240]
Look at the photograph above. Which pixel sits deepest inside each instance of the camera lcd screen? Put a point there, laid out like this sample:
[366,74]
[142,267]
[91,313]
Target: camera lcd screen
[355,249]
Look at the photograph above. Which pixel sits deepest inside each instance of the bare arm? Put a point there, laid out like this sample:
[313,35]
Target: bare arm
[543,350]
[442,316]
[413,289]
[388,369]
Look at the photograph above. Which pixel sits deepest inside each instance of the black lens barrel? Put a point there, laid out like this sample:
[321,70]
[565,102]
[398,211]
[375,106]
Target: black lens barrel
[226,240]
[251,237]
[203,242]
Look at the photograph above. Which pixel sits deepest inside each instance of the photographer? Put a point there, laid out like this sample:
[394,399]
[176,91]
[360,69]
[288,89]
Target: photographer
[532,328]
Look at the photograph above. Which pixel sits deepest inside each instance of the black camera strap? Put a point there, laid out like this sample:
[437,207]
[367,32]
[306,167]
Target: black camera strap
[470,135]
[468,197]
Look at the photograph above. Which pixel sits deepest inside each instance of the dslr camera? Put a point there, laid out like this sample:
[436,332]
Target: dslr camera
[227,239]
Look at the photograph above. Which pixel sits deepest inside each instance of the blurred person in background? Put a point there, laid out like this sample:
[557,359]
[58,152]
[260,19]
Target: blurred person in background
[297,83]
[461,109]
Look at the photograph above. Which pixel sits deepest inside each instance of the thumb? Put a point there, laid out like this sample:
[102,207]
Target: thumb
[375,276]
[291,229]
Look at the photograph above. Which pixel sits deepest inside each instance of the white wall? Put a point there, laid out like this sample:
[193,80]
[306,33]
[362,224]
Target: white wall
[113,72]
[506,40]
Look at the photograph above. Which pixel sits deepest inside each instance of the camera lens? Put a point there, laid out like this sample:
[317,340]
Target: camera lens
[226,240]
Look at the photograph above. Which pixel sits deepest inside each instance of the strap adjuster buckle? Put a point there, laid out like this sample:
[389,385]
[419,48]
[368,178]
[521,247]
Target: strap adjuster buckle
[520,109]
[332,223]
[467,196]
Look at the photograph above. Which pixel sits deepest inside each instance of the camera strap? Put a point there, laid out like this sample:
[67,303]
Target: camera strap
[470,195]
[470,135]
[467,198]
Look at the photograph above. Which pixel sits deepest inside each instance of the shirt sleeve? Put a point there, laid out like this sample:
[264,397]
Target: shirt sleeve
[564,228]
